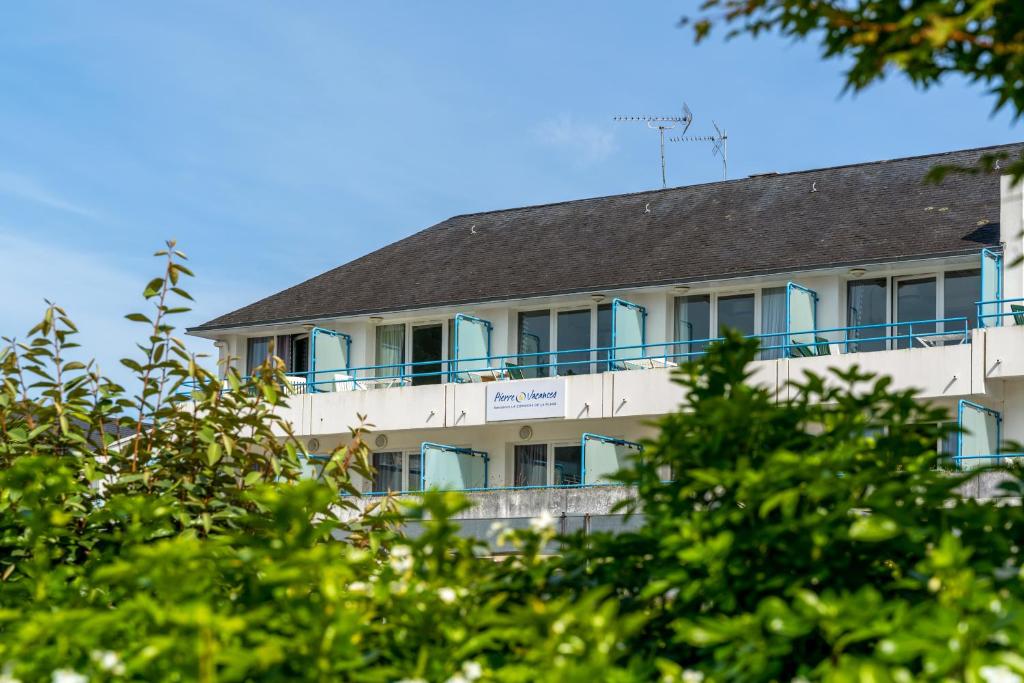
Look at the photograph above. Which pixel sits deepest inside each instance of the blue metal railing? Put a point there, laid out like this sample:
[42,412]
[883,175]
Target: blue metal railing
[639,356]
[997,310]
[998,457]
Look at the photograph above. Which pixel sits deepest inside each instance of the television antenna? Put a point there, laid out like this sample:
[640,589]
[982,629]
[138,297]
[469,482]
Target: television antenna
[719,145]
[663,123]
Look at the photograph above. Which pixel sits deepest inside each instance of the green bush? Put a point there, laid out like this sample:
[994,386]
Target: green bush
[789,545]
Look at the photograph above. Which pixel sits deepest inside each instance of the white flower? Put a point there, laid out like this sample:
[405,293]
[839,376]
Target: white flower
[6,676]
[447,595]
[401,559]
[543,523]
[69,676]
[691,676]
[496,528]
[109,661]
[457,678]
[473,670]
[998,674]
[358,587]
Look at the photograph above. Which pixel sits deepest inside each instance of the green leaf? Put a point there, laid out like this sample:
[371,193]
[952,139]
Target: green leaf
[153,288]
[874,528]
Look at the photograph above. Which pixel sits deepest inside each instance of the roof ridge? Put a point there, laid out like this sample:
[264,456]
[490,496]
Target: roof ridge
[768,174]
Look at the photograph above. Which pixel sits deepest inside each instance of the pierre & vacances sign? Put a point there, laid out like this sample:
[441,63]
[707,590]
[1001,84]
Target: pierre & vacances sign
[526,400]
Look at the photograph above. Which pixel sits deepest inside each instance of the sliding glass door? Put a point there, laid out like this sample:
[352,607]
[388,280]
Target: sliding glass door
[535,340]
[426,347]
[390,350]
[915,301]
[693,322]
[573,334]
[736,312]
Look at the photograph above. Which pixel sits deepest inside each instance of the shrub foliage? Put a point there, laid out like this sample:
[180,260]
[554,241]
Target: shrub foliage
[800,537]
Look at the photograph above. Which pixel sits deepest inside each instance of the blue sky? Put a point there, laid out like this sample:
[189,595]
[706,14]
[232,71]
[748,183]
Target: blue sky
[277,140]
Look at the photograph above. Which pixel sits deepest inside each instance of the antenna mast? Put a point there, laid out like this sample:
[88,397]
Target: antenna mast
[719,145]
[663,123]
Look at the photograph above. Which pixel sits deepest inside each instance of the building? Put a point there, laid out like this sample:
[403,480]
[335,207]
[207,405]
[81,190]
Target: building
[523,351]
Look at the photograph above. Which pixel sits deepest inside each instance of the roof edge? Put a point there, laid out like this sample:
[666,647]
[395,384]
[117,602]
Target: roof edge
[536,295]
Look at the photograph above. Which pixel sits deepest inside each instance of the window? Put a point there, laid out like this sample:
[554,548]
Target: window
[293,349]
[257,351]
[534,338]
[736,312]
[573,334]
[531,464]
[390,350]
[392,469]
[693,321]
[414,469]
[773,322]
[915,300]
[604,334]
[568,465]
[961,289]
[426,347]
[865,305]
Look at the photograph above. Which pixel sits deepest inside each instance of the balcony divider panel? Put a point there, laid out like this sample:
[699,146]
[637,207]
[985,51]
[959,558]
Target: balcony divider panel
[604,456]
[629,332]
[328,357]
[472,346]
[801,318]
[991,288]
[980,436]
[452,468]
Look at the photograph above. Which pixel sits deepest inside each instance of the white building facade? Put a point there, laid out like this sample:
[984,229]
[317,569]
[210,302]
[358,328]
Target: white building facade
[528,350]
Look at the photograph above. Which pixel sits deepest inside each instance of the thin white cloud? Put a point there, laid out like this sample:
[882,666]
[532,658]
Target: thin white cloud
[587,143]
[28,189]
[95,292]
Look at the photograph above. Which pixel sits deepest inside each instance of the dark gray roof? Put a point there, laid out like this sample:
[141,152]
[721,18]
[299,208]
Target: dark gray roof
[862,213]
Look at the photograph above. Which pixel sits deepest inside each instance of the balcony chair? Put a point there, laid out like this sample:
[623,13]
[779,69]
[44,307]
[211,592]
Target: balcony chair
[820,347]
[1018,313]
[514,371]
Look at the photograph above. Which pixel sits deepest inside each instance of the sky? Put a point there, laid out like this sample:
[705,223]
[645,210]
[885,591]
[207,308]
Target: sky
[277,140]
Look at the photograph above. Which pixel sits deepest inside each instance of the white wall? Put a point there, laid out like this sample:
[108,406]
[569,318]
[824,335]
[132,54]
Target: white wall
[1011,223]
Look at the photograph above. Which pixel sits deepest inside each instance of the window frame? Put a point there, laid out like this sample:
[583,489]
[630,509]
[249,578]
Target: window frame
[549,459]
[405,455]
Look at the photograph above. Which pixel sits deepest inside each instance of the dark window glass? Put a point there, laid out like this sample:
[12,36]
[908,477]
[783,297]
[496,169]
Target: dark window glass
[414,472]
[387,475]
[535,340]
[299,361]
[865,305]
[915,301]
[604,334]
[426,347]
[736,312]
[531,465]
[961,291]
[693,322]
[573,334]
[568,465]
[257,350]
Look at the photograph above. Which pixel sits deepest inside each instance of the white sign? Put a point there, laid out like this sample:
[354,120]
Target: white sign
[526,399]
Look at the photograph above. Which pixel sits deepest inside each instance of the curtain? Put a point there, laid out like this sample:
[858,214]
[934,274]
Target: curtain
[387,474]
[773,321]
[390,349]
[283,350]
[531,465]
[414,472]
[256,353]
